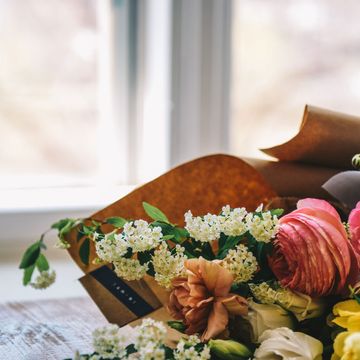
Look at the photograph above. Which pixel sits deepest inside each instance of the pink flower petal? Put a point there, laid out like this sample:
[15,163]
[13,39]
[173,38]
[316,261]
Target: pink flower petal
[318,204]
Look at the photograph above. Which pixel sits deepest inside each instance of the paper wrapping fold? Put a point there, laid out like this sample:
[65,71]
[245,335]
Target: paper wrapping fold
[294,179]
[203,185]
[326,138]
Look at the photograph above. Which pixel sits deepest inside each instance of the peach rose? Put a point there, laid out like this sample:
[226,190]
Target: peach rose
[203,301]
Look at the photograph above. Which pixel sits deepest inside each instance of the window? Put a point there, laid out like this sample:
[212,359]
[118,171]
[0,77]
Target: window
[287,54]
[48,91]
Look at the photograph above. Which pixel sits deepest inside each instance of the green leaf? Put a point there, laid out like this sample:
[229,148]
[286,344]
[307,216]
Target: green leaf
[116,221]
[357,298]
[230,243]
[42,263]
[261,253]
[63,224]
[88,230]
[155,213]
[144,257]
[84,251]
[180,234]
[168,237]
[177,325]
[28,274]
[130,349]
[30,256]
[277,212]
[207,252]
[242,289]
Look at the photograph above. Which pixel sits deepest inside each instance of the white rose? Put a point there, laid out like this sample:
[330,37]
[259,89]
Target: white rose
[264,317]
[283,343]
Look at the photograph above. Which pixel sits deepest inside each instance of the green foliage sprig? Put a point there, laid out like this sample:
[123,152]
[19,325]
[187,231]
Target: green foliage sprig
[93,230]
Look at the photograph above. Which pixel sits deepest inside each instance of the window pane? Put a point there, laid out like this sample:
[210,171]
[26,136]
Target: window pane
[48,86]
[287,54]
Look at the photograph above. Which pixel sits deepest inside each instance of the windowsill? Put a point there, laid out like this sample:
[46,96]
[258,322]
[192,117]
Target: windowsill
[60,199]
[25,214]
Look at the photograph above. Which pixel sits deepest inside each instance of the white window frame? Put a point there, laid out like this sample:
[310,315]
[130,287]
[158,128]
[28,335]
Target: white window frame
[162,59]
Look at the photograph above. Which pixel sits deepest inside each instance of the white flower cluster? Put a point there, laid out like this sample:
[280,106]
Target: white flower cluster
[150,336]
[109,343]
[264,293]
[62,244]
[203,228]
[111,248]
[44,280]
[130,269]
[150,351]
[167,266]
[185,350]
[263,228]
[137,235]
[150,331]
[232,222]
[241,263]
[140,236]
[148,341]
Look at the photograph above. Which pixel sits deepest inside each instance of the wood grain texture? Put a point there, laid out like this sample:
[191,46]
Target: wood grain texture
[51,329]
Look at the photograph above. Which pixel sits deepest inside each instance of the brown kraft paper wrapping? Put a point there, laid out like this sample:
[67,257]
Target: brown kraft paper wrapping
[203,185]
[294,179]
[326,138]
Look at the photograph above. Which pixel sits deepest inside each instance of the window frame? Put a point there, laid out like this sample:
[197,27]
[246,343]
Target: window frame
[192,87]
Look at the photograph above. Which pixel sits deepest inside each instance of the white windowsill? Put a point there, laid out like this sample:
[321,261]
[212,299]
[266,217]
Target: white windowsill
[59,199]
[25,214]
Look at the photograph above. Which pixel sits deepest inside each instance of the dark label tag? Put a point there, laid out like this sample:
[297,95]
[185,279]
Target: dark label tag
[123,292]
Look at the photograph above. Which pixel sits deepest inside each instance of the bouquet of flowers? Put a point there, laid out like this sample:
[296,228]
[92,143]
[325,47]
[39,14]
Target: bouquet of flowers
[261,285]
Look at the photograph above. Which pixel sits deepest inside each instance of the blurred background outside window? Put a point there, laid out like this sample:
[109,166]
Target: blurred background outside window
[48,91]
[287,54]
[284,54]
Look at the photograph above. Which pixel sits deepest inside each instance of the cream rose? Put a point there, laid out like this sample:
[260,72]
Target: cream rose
[301,305]
[264,317]
[283,343]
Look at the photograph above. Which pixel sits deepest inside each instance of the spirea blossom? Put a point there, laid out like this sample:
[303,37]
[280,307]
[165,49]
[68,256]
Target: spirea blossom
[232,221]
[150,351]
[111,248]
[262,227]
[264,293]
[140,236]
[203,228]
[130,269]
[241,263]
[44,280]
[150,331]
[109,342]
[168,264]
[185,350]
[62,244]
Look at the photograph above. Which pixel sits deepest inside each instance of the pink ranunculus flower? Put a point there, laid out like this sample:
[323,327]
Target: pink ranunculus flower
[203,301]
[354,226]
[312,253]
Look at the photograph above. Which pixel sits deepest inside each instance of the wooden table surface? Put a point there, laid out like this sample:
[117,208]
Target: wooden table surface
[50,329]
